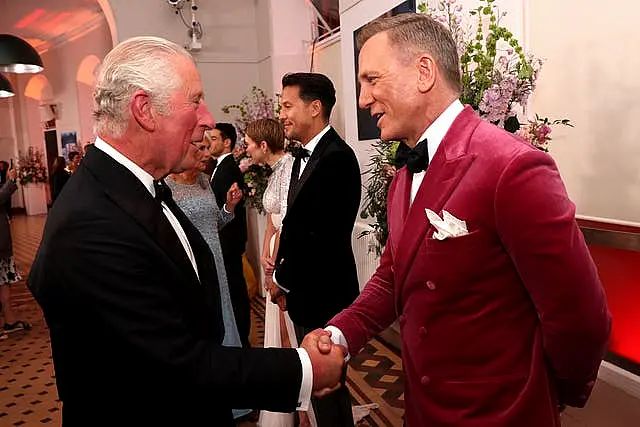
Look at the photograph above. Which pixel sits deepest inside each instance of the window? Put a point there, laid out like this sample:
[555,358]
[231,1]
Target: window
[328,17]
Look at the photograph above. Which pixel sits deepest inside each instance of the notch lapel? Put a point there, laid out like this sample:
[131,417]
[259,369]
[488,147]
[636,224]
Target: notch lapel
[126,190]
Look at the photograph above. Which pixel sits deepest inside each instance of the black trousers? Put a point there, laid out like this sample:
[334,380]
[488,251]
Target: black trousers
[333,410]
[239,296]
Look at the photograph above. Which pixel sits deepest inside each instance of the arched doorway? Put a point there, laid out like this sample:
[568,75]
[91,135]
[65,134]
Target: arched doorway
[85,82]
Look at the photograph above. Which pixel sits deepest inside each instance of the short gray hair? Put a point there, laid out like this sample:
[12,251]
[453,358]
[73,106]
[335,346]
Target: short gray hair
[139,63]
[416,33]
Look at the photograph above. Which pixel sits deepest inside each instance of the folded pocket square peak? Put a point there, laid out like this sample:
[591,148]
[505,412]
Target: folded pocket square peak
[447,226]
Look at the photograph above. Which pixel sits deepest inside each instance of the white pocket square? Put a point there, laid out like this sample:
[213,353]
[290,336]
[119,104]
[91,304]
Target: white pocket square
[447,226]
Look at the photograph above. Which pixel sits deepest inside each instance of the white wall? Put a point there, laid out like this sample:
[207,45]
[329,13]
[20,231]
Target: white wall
[61,68]
[328,61]
[590,77]
[228,61]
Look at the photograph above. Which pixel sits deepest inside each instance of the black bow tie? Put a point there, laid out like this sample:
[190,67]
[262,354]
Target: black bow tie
[418,157]
[300,152]
[163,192]
[214,163]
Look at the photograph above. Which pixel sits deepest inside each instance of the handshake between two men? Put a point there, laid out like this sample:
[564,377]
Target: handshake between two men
[327,360]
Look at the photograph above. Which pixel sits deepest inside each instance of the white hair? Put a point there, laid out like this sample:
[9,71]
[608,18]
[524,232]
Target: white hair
[139,63]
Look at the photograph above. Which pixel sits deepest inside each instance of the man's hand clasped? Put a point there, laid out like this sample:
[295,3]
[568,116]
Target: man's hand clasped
[327,360]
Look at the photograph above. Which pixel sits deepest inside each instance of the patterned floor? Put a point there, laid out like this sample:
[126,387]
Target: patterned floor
[27,381]
[28,395]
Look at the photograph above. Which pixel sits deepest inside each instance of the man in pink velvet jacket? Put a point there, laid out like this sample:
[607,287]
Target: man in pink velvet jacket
[504,324]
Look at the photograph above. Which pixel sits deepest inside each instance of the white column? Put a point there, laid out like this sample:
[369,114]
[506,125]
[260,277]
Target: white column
[284,40]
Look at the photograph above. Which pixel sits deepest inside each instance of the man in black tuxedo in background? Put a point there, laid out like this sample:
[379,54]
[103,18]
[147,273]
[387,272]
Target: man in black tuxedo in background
[315,266]
[135,323]
[233,236]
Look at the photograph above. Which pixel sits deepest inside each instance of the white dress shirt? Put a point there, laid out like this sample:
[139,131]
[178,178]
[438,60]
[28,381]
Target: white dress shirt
[304,398]
[434,134]
[147,181]
[311,145]
[219,159]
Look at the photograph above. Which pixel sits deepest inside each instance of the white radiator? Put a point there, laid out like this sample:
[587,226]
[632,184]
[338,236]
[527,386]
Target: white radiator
[364,251]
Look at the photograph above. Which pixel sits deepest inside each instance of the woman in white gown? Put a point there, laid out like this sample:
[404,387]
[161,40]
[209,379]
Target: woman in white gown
[265,145]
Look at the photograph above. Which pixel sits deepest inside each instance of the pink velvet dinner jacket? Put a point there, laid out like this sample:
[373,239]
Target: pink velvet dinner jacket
[500,325]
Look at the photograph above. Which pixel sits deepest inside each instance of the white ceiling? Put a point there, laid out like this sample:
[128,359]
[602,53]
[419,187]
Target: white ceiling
[46,23]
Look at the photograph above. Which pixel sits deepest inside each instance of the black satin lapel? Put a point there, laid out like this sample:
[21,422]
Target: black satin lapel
[126,190]
[313,161]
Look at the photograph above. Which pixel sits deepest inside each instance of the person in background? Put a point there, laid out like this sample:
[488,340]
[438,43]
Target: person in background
[233,237]
[4,168]
[8,271]
[265,145]
[315,269]
[59,177]
[74,161]
[194,196]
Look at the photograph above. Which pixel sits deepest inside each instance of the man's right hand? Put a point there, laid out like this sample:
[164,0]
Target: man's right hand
[327,367]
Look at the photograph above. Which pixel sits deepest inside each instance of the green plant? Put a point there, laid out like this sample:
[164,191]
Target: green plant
[381,171]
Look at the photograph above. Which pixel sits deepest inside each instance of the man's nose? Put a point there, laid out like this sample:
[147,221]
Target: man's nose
[365,99]
[206,118]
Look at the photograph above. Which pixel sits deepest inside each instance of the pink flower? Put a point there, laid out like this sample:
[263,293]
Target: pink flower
[244,164]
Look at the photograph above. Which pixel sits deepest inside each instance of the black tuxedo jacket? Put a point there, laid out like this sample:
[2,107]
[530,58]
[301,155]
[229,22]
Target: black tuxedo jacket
[233,236]
[315,259]
[135,336]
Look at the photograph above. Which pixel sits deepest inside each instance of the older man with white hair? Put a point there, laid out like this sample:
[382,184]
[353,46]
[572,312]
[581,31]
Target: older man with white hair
[135,319]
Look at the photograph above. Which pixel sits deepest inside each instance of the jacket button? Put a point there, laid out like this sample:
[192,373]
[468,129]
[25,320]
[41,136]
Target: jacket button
[431,285]
[403,318]
[422,331]
[425,380]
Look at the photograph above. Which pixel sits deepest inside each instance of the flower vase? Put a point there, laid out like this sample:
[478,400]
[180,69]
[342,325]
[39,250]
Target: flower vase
[35,200]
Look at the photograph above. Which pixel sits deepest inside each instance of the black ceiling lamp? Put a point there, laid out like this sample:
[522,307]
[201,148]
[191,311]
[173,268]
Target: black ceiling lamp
[6,90]
[18,56]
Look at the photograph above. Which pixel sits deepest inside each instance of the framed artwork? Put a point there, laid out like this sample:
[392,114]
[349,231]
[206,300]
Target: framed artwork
[69,142]
[367,128]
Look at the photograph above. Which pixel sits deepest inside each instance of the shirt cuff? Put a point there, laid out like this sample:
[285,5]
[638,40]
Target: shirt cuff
[337,337]
[278,284]
[304,398]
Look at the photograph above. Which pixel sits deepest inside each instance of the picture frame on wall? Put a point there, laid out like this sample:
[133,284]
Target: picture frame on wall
[69,142]
[367,129]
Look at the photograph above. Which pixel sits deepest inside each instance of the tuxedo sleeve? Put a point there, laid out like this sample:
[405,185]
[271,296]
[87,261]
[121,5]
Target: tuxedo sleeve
[126,289]
[536,222]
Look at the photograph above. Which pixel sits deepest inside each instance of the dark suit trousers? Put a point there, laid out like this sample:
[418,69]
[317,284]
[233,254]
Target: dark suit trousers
[333,410]
[239,295]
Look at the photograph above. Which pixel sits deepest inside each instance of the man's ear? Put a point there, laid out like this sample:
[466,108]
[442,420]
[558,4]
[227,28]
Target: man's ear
[142,111]
[316,108]
[226,143]
[427,72]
